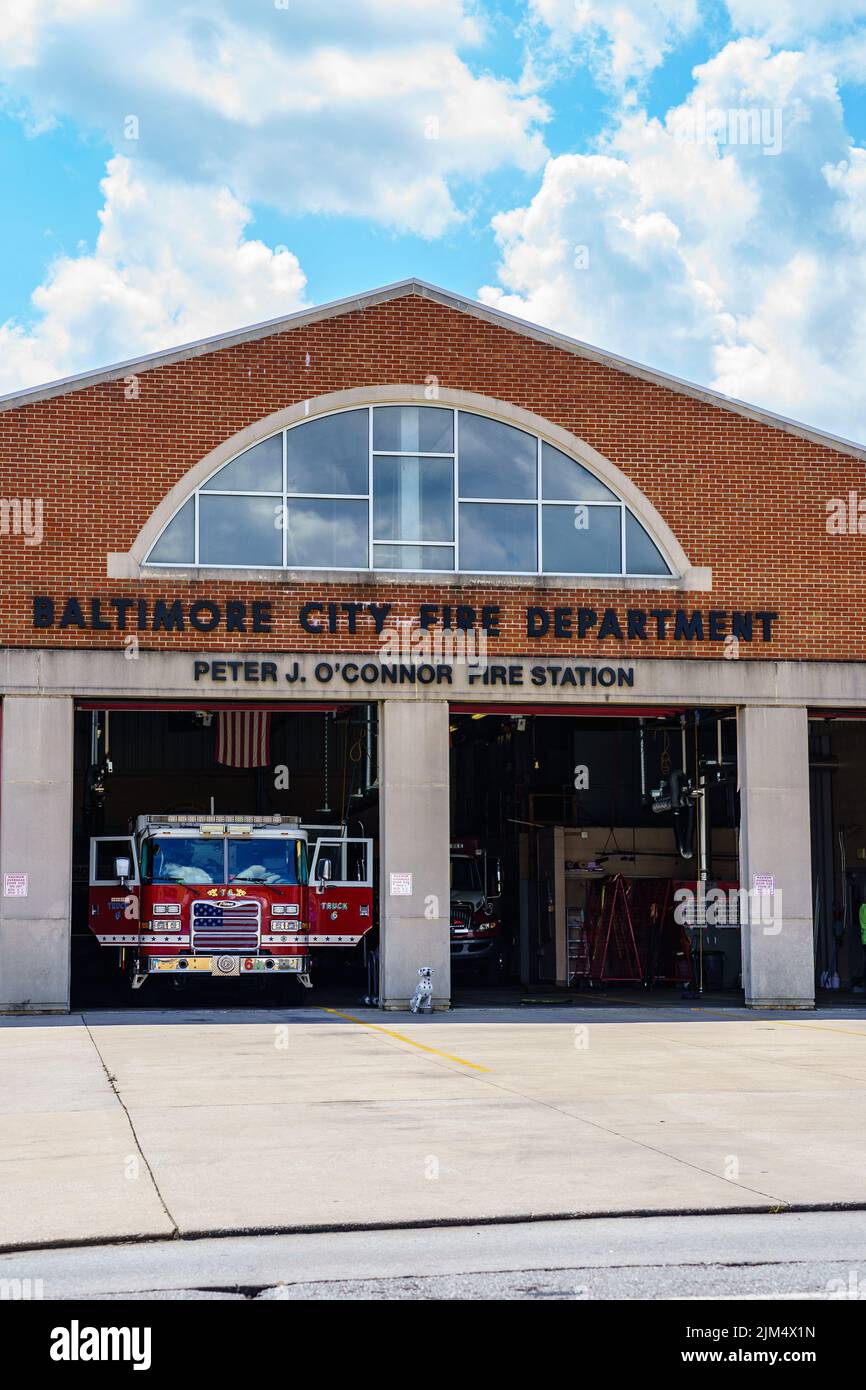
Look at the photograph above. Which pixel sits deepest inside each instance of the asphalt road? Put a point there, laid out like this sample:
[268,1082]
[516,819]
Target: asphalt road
[818,1255]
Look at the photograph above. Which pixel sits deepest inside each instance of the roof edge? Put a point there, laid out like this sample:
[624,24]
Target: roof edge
[199,347]
[487,313]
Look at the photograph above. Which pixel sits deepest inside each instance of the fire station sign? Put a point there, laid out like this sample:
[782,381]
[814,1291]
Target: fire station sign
[226,670]
[329,618]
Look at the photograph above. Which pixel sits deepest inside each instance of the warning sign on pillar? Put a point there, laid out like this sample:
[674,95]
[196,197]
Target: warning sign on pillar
[15,885]
[765,884]
[401,885]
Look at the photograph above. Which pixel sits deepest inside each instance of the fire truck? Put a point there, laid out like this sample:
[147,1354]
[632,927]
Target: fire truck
[228,896]
[478,936]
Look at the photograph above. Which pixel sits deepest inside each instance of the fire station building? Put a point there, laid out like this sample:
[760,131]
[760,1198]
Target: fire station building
[406,564]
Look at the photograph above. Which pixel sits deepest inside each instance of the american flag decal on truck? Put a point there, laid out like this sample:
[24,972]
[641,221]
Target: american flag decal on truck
[228,925]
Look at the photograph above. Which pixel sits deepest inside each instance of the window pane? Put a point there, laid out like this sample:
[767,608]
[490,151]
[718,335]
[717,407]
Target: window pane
[106,853]
[413,557]
[413,429]
[176,860]
[413,499]
[496,460]
[497,537]
[326,534]
[564,480]
[263,861]
[642,553]
[259,469]
[176,545]
[239,531]
[328,455]
[581,540]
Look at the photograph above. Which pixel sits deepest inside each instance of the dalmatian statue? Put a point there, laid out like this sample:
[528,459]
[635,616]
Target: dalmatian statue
[422,999]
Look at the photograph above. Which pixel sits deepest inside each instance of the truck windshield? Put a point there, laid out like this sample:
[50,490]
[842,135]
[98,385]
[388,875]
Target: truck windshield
[189,860]
[267,861]
[182,860]
[464,875]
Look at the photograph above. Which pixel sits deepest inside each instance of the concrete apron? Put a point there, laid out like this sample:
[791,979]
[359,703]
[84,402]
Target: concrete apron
[142,1126]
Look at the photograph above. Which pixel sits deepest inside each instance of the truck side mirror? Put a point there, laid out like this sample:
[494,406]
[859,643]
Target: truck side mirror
[122,868]
[325,870]
[494,878]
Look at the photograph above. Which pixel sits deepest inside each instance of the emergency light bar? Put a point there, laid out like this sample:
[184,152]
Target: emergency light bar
[142,822]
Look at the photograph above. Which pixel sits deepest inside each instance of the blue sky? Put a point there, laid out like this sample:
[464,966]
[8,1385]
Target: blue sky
[679,181]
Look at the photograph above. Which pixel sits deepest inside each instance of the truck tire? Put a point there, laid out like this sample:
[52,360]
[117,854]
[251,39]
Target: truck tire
[493,970]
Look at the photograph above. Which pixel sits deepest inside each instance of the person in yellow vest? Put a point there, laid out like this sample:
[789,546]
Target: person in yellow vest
[863,940]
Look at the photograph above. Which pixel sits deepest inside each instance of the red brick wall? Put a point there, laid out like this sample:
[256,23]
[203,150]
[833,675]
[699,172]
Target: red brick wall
[745,499]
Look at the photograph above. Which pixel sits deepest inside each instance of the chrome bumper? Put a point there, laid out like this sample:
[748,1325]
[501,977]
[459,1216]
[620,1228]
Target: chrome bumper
[228,965]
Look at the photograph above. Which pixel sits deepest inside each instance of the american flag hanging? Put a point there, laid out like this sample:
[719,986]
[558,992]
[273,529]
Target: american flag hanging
[243,738]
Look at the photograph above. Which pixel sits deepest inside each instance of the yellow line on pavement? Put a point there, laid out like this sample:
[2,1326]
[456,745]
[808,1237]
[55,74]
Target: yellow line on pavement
[401,1037]
[815,1027]
[789,1023]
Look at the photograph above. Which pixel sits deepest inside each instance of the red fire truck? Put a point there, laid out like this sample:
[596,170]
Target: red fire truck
[228,895]
[478,936]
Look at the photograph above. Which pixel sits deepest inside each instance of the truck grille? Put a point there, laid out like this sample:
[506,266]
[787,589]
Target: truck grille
[461,915]
[227,925]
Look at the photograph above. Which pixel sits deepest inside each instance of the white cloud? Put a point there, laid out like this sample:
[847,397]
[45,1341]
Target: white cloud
[801,351]
[365,109]
[171,264]
[625,40]
[743,205]
[25,20]
[787,21]
[802,347]
[590,257]
[719,262]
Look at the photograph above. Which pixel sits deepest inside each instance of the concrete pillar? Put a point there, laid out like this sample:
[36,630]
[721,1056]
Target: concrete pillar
[415,841]
[36,840]
[773,757]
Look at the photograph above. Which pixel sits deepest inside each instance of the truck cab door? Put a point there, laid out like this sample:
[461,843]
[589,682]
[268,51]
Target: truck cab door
[113,906]
[341,907]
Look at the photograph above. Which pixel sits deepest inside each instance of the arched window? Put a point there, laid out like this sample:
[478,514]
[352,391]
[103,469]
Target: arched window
[408,487]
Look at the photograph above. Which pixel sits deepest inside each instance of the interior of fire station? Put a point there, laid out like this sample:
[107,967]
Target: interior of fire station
[837,775]
[314,763]
[594,853]
[578,842]
[591,834]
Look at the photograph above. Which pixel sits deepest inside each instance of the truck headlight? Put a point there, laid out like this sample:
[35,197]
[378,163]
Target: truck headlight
[284,909]
[486,926]
[166,909]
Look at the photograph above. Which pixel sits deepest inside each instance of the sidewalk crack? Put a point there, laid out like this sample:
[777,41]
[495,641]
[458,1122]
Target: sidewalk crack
[112,1081]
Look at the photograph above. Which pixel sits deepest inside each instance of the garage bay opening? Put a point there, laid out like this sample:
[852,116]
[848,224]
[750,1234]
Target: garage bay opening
[837,778]
[223,855]
[594,851]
